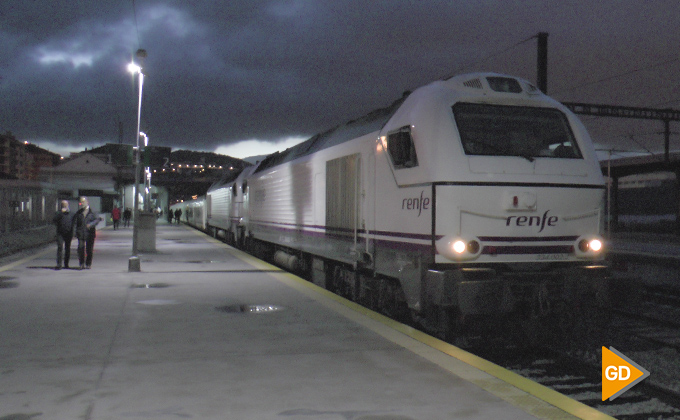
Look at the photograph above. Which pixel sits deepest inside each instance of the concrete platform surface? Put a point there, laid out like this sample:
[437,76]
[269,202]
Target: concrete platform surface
[207,332]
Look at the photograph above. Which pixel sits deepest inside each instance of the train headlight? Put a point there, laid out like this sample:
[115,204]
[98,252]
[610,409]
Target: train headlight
[595,245]
[473,247]
[458,248]
[589,246]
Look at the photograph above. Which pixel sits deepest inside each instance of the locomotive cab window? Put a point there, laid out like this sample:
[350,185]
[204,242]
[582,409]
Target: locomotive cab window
[401,148]
[528,132]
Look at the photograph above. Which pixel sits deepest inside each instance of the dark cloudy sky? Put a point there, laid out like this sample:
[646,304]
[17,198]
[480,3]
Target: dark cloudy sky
[226,75]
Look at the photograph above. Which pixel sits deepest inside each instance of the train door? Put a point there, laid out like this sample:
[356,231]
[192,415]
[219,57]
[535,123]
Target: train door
[319,204]
[368,195]
[342,198]
[242,211]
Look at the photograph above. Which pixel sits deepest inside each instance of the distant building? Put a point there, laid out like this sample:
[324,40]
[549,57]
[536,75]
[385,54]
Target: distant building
[85,174]
[19,160]
[108,172]
[39,159]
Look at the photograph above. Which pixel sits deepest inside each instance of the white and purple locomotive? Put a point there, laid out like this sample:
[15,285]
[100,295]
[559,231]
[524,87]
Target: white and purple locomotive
[475,195]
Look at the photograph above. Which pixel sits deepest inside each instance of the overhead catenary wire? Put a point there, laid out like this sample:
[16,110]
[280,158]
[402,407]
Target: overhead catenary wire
[616,76]
[630,136]
[486,58]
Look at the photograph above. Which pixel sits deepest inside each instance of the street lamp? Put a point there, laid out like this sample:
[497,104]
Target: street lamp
[133,263]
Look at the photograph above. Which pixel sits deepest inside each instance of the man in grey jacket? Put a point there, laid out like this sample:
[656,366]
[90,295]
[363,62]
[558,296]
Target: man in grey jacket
[85,222]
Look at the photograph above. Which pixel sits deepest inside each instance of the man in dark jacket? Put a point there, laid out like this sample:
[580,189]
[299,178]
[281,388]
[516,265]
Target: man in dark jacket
[85,221]
[64,223]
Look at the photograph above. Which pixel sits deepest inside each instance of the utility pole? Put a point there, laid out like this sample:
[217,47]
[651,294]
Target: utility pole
[542,64]
[120,131]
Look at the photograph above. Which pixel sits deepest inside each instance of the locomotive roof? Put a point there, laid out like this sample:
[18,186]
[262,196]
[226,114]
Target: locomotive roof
[228,177]
[373,121]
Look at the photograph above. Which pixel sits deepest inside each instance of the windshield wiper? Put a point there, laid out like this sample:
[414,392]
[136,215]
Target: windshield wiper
[501,151]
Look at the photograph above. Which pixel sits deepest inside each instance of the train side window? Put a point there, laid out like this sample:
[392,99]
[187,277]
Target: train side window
[233,189]
[401,148]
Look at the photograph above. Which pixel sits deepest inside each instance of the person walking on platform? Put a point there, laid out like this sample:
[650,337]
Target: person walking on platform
[85,222]
[127,215]
[115,216]
[64,222]
[178,215]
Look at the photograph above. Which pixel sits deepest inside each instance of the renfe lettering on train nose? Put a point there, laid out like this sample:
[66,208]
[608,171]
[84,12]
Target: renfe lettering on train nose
[418,203]
[537,221]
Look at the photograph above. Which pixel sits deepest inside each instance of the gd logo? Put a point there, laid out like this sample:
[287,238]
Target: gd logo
[619,373]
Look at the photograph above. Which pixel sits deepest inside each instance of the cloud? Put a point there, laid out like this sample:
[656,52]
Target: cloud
[61,148]
[254,147]
[220,72]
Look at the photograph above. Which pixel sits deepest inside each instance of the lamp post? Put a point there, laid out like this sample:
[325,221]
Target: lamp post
[133,263]
[146,179]
[147,190]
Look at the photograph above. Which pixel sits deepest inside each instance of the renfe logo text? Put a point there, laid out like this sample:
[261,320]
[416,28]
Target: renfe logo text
[537,221]
[418,203]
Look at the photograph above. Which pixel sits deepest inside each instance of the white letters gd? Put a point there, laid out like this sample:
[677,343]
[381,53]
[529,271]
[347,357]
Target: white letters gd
[612,374]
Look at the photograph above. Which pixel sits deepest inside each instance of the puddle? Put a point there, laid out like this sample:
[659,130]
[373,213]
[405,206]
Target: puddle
[150,286]
[252,309]
[158,302]
[6,284]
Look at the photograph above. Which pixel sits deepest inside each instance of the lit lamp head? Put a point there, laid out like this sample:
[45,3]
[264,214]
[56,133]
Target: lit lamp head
[134,68]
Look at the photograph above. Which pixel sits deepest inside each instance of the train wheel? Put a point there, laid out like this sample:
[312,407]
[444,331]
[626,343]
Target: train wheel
[345,283]
[450,325]
[391,300]
[593,315]
[240,240]
[564,323]
[589,308]
[368,292]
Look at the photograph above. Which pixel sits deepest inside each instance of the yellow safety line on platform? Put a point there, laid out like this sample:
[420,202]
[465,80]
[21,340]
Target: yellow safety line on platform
[396,332]
[24,260]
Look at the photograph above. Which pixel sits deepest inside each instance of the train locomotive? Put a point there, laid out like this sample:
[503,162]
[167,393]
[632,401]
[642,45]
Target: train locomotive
[469,197]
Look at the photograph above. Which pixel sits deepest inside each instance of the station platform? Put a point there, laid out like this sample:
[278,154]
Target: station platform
[205,331]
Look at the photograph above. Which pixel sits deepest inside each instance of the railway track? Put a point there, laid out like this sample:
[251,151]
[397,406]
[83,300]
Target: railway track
[577,374]
[647,330]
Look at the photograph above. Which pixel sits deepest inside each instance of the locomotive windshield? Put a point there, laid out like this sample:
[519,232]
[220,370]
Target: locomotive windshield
[501,130]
